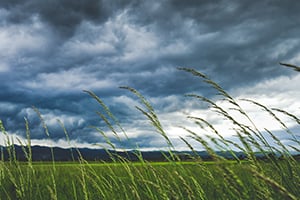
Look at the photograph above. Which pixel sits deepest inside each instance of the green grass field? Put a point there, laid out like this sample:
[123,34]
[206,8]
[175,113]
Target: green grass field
[169,180]
[275,177]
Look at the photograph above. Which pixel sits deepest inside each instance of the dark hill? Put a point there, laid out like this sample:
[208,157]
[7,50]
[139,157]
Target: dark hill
[41,153]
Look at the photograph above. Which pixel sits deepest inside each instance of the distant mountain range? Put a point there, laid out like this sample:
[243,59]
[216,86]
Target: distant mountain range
[41,153]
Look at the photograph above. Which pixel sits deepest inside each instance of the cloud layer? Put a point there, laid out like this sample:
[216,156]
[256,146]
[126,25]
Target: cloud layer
[52,50]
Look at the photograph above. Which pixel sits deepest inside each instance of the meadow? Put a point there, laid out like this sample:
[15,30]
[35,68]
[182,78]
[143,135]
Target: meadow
[127,180]
[276,176]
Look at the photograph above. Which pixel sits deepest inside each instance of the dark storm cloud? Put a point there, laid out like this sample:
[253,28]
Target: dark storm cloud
[243,34]
[63,16]
[52,50]
[247,28]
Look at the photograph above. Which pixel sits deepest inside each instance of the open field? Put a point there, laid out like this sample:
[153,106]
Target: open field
[165,180]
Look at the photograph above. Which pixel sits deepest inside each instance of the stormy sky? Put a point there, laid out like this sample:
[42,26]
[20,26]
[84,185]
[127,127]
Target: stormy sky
[50,51]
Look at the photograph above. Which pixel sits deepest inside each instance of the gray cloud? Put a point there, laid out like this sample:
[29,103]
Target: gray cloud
[63,16]
[52,50]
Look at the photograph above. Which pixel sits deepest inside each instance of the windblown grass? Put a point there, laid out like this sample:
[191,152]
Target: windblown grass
[276,177]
